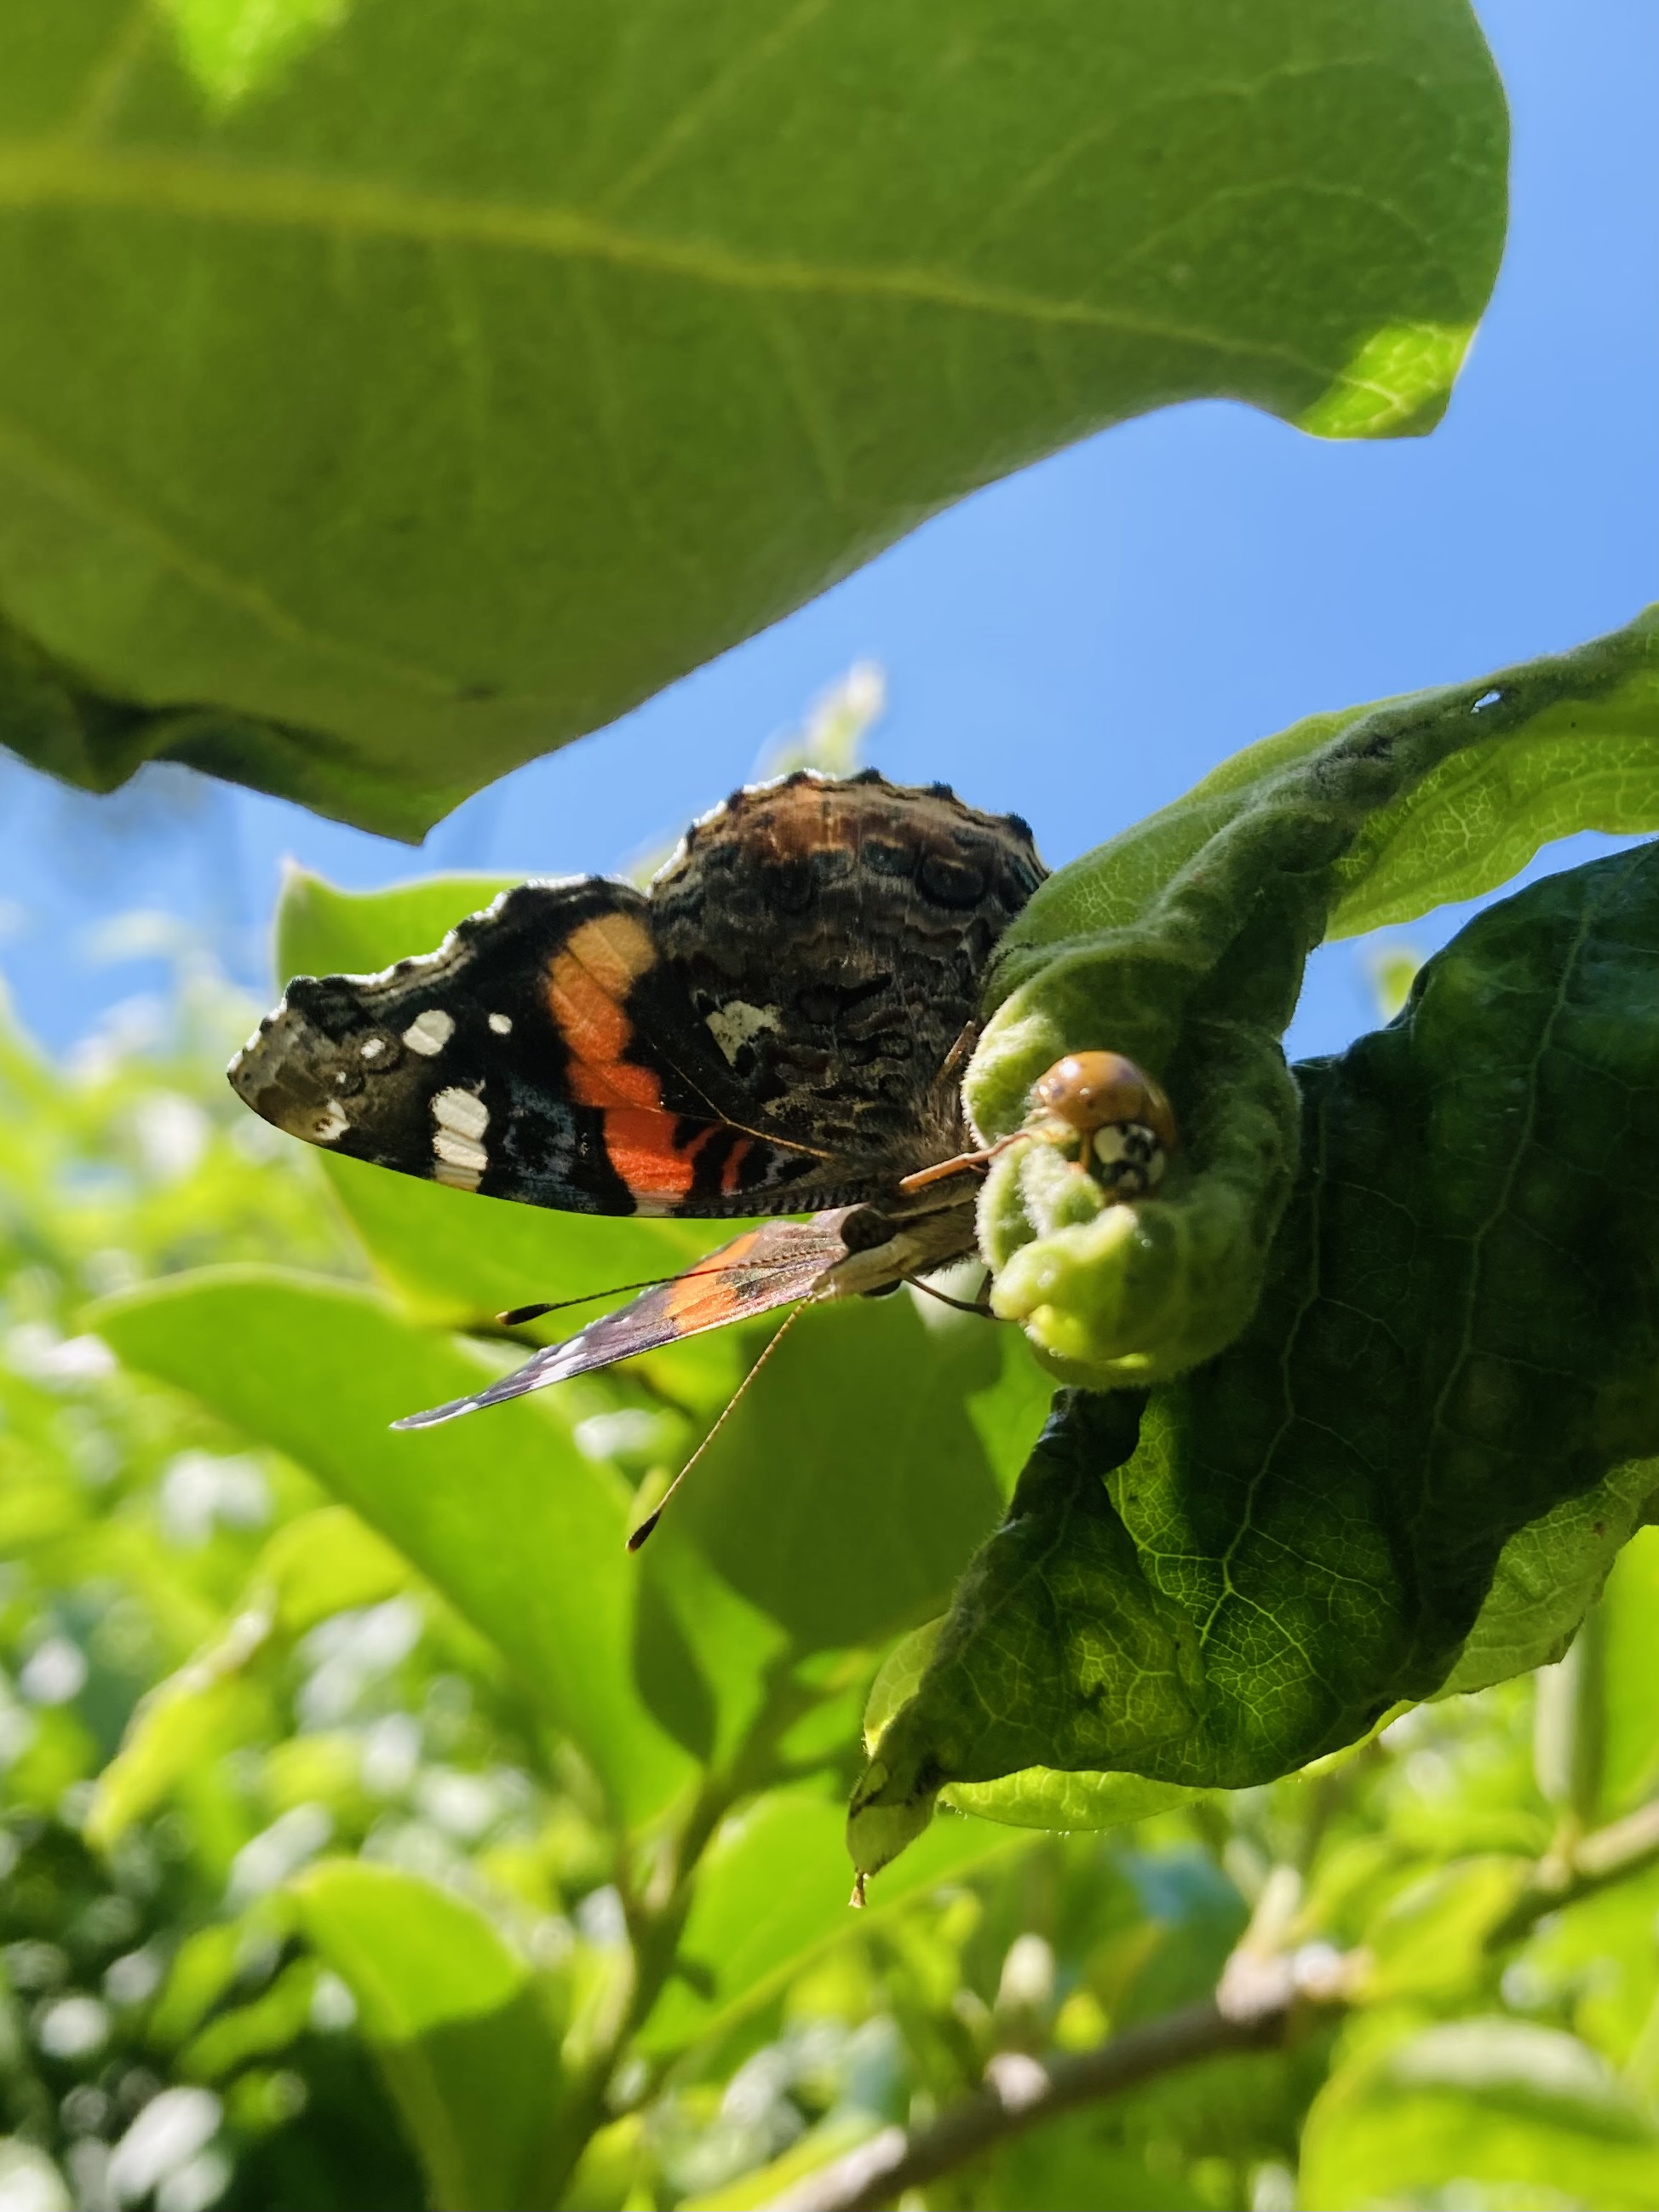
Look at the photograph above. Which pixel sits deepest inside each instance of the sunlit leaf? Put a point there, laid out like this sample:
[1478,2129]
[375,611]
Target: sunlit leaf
[1478,2105]
[484,367]
[451,2016]
[518,1529]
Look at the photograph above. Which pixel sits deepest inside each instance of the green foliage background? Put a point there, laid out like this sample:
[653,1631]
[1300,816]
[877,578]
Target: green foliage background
[392,391]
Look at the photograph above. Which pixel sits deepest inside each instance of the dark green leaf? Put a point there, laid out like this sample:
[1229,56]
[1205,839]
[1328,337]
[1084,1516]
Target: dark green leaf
[1182,942]
[1460,1330]
[482,365]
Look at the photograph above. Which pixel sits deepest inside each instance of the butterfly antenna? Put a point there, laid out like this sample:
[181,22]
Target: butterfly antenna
[515,1316]
[980,1305]
[652,1519]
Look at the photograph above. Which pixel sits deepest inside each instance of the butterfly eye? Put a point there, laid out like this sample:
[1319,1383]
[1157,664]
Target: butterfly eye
[1118,1112]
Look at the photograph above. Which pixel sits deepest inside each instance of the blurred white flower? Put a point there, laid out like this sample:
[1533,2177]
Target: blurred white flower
[200,1490]
[171,2130]
[54,1672]
[465,1804]
[333,2007]
[35,1350]
[278,1851]
[29,2182]
[172,1135]
[391,1752]
[72,2027]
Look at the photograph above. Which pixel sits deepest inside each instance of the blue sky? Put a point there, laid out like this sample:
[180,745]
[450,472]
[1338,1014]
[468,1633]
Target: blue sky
[1083,640]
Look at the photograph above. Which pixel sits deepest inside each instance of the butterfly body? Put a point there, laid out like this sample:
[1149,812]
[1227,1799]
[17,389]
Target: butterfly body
[778,1025]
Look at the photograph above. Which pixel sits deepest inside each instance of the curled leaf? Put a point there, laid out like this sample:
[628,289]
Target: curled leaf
[1181,943]
[1459,1332]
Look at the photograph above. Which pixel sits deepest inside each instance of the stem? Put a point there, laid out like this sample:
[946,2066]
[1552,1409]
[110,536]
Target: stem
[656,1913]
[1022,2093]
[1594,1862]
[1259,1991]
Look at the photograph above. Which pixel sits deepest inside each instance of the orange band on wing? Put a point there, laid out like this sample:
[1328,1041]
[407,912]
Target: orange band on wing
[587,979]
[639,1145]
[735,1159]
[695,1301]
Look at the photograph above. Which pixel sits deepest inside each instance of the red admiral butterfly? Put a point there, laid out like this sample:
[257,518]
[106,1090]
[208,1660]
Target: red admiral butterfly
[778,1025]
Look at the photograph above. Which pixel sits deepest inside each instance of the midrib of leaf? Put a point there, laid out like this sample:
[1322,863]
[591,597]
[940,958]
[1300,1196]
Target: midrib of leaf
[36,174]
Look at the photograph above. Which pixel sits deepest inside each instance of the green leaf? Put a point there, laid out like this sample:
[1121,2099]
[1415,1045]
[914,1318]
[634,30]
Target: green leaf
[483,368]
[1033,1797]
[1460,1329]
[1430,1941]
[772,1894]
[847,1488]
[1549,1575]
[1630,1623]
[1181,943]
[1486,2105]
[451,2015]
[521,1532]
[318,1564]
[193,1718]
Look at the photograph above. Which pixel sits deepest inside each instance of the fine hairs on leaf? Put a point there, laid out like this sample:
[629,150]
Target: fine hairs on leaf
[1181,943]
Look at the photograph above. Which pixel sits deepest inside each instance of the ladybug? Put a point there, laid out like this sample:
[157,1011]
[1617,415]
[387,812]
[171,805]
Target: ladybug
[1121,1119]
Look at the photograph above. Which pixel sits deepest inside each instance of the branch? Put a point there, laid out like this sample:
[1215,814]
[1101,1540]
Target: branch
[1249,2011]
[1595,1862]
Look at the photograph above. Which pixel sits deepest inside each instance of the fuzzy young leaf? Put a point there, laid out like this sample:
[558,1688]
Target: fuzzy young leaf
[1460,1331]
[1181,943]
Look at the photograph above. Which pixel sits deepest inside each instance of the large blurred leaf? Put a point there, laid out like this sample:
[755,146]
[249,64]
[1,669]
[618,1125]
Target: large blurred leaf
[848,1486]
[1460,1329]
[451,2013]
[482,365]
[1477,2110]
[773,1892]
[518,1529]
[1630,1664]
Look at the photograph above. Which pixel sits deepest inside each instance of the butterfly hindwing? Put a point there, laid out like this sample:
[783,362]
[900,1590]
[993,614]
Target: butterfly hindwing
[772,1266]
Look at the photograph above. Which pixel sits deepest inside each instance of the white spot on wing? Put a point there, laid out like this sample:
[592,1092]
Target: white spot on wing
[732,1025]
[330,1123]
[371,1047]
[457,1158]
[501,1023]
[429,1032]
[461,1112]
